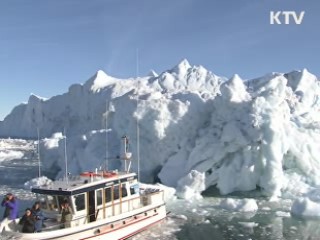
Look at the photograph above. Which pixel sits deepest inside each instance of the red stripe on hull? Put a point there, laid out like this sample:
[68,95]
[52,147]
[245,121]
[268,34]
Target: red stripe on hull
[141,230]
[126,225]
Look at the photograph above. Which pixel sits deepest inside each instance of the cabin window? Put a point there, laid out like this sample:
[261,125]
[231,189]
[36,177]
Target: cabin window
[80,202]
[108,194]
[99,197]
[47,202]
[52,202]
[124,192]
[116,192]
[43,201]
[134,189]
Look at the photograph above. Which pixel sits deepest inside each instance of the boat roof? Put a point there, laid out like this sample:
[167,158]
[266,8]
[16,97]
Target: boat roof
[80,184]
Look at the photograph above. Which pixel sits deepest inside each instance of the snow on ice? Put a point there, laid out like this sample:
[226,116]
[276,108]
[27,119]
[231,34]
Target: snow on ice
[7,155]
[11,149]
[238,134]
[37,182]
[305,207]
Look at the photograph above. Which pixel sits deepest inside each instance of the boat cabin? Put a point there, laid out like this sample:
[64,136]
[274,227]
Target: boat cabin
[92,196]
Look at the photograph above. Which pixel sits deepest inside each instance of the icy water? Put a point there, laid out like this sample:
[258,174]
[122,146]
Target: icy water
[206,220]
[190,221]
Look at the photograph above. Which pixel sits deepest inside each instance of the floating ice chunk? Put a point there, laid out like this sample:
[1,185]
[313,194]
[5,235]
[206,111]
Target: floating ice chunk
[181,216]
[249,224]
[7,155]
[305,207]
[37,182]
[266,209]
[240,205]
[190,186]
[282,214]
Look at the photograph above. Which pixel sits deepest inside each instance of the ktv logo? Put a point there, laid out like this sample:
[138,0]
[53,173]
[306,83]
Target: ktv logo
[286,17]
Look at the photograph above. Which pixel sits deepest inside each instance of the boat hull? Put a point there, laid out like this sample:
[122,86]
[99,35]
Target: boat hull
[115,228]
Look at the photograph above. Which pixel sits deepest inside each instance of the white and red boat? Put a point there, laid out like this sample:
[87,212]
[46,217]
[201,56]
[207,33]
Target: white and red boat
[105,205]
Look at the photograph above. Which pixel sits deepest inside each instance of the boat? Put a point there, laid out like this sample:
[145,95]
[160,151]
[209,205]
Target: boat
[105,205]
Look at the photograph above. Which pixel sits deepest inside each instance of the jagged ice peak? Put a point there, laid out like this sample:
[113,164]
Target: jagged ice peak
[182,67]
[152,73]
[101,80]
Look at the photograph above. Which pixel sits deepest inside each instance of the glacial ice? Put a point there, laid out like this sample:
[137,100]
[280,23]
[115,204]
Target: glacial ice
[240,134]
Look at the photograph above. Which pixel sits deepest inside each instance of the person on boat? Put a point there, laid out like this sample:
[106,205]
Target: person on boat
[38,216]
[27,221]
[66,215]
[11,206]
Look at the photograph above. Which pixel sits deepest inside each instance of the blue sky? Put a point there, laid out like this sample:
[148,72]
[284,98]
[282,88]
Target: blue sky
[47,45]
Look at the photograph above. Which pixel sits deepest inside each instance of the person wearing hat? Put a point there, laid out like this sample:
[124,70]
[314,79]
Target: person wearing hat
[11,206]
[66,215]
[27,221]
[38,216]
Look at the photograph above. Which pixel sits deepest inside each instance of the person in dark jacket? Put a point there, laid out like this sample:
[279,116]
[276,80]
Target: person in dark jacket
[27,221]
[38,216]
[11,207]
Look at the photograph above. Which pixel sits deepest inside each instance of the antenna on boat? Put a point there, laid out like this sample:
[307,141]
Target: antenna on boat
[107,160]
[65,153]
[138,130]
[38,149]
[138,146]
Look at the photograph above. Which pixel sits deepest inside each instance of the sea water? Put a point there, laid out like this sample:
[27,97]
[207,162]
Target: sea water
[194,220]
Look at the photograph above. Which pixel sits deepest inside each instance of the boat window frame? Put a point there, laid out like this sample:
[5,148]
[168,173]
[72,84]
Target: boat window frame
[84,203]
[124,191]
[116,192]
[100,203]
[134,188]
[108,194]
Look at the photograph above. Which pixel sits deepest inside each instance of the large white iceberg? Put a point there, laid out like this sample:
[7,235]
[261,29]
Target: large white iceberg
[241,134]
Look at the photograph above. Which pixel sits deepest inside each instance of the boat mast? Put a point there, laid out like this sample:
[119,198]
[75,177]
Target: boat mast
[107,160]
[65,154]
[138,130]
[138,146]
[38,149]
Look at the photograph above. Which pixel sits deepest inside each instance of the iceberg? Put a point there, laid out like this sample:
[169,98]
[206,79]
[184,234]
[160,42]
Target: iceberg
[238,134]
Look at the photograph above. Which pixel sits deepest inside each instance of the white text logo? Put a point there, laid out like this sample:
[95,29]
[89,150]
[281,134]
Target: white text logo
[286,17]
